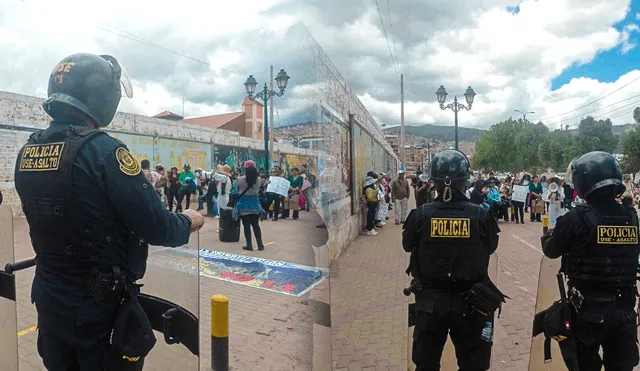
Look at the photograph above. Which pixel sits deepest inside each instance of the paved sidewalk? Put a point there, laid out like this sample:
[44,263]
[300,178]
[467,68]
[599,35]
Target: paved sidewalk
[368,308]
[268,330]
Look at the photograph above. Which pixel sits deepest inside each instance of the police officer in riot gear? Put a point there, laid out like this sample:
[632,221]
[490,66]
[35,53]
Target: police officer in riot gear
[91,213]
[451,240]
[598,243]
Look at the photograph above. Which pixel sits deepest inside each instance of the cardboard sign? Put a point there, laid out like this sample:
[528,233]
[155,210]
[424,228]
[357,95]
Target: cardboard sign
[279,185]
[520,193]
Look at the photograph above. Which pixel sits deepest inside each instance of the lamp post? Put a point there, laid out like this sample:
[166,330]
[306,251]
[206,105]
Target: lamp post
[264,95]
[469,95]
[524,116]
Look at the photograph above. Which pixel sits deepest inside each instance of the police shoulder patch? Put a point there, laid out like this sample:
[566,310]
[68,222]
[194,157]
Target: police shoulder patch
[450,228]
[617,235]
[128,164]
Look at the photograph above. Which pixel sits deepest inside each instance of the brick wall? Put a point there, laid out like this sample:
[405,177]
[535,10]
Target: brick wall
[20,115]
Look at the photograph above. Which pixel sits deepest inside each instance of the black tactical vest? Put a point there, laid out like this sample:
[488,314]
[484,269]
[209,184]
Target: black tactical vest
[64,239]
[609,260]
[450,248]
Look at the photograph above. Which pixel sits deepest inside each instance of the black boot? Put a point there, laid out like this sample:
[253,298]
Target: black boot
[260,245]
[248,247]
[296,214]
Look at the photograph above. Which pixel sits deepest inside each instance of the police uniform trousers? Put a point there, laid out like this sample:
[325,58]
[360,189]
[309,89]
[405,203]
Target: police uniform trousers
[440,314]
[67,344]
[612,327]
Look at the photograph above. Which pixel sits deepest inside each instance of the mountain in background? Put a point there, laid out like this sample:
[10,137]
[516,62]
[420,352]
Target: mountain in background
[446,133]
[439,133]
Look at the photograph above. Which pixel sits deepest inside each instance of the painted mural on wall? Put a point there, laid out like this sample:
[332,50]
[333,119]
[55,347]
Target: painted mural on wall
[364,159]
[176,153]
[141,147]
[168,152]
[235,157]
[289,161]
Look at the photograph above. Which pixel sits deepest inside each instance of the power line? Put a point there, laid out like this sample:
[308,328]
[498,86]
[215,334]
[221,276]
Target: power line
[595,101]
[596,110]
[384,30]
[393,34]
[153,45]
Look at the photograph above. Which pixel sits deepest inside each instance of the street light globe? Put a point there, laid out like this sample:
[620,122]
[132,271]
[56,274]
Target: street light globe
[282,79]
[469,95]
[441,94]
[250,85]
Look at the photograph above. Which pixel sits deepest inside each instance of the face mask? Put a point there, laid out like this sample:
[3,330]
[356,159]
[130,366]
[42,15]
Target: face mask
[218,177]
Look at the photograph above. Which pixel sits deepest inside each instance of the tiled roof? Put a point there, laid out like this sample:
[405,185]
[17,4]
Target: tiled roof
[164,114]
[214,121]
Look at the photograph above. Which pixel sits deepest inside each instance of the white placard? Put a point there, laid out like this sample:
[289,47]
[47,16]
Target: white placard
[279,185]
[545,195]
[520,193]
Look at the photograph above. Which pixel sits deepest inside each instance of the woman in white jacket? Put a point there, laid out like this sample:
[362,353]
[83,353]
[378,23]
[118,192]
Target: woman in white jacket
[556,200]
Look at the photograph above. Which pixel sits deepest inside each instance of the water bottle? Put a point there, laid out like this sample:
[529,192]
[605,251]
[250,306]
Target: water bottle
[487,332]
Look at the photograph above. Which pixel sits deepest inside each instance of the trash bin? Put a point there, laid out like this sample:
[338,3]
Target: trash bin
[228,229]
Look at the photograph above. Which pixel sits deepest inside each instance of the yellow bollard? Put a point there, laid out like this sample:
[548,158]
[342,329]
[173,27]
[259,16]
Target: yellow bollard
[545,223]
[219,333]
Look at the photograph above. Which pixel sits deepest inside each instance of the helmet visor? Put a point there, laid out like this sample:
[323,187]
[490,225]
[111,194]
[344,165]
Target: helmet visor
[126,88]
[568,178]
[125,82]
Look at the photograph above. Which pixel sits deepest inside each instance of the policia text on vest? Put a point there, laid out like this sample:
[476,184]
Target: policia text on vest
[450,228]
[617,235]
[41,157]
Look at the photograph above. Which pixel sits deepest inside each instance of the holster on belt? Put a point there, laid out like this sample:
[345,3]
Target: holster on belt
[133,337]
[485,298]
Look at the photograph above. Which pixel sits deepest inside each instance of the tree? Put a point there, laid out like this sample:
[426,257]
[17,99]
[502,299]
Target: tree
[636,115]
[496,147]
[527,143]
[595,136]
[556,149]
[631,150]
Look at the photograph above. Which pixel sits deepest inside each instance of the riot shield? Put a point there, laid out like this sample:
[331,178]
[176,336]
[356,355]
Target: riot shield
[171,298]
[548,293]
[8,312]
[448,360]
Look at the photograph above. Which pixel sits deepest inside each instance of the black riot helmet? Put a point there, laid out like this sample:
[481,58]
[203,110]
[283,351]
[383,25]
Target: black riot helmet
[595,170]
[450,169]
[88,83]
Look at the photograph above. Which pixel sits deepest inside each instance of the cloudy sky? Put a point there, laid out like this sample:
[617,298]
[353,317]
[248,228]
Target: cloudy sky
[554,57]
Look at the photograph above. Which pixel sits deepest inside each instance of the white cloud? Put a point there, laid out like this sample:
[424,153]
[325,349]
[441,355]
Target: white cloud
[510,59]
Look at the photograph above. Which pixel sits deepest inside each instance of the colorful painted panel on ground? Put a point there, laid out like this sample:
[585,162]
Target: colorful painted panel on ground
[282,277]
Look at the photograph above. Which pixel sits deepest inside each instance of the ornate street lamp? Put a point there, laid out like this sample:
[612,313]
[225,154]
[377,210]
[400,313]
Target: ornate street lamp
[469,96]
[282,79]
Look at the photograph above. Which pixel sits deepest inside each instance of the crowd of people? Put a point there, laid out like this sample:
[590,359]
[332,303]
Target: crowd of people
[552,197]
[246,193]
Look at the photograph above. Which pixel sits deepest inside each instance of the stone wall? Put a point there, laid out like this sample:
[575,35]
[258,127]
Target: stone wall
[354,145]
[21,115]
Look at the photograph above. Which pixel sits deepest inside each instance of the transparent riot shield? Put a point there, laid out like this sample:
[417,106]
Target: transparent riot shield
[8,313]
[448,360]
[548,293]
[171,298]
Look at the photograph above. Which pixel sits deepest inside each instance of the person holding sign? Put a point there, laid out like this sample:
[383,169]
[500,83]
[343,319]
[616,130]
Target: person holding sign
[537,204]
[451,241]
[598,243]
[518,199]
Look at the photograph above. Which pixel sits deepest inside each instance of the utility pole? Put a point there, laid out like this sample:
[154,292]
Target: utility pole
[404,160]
[273,126]
[524,115]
